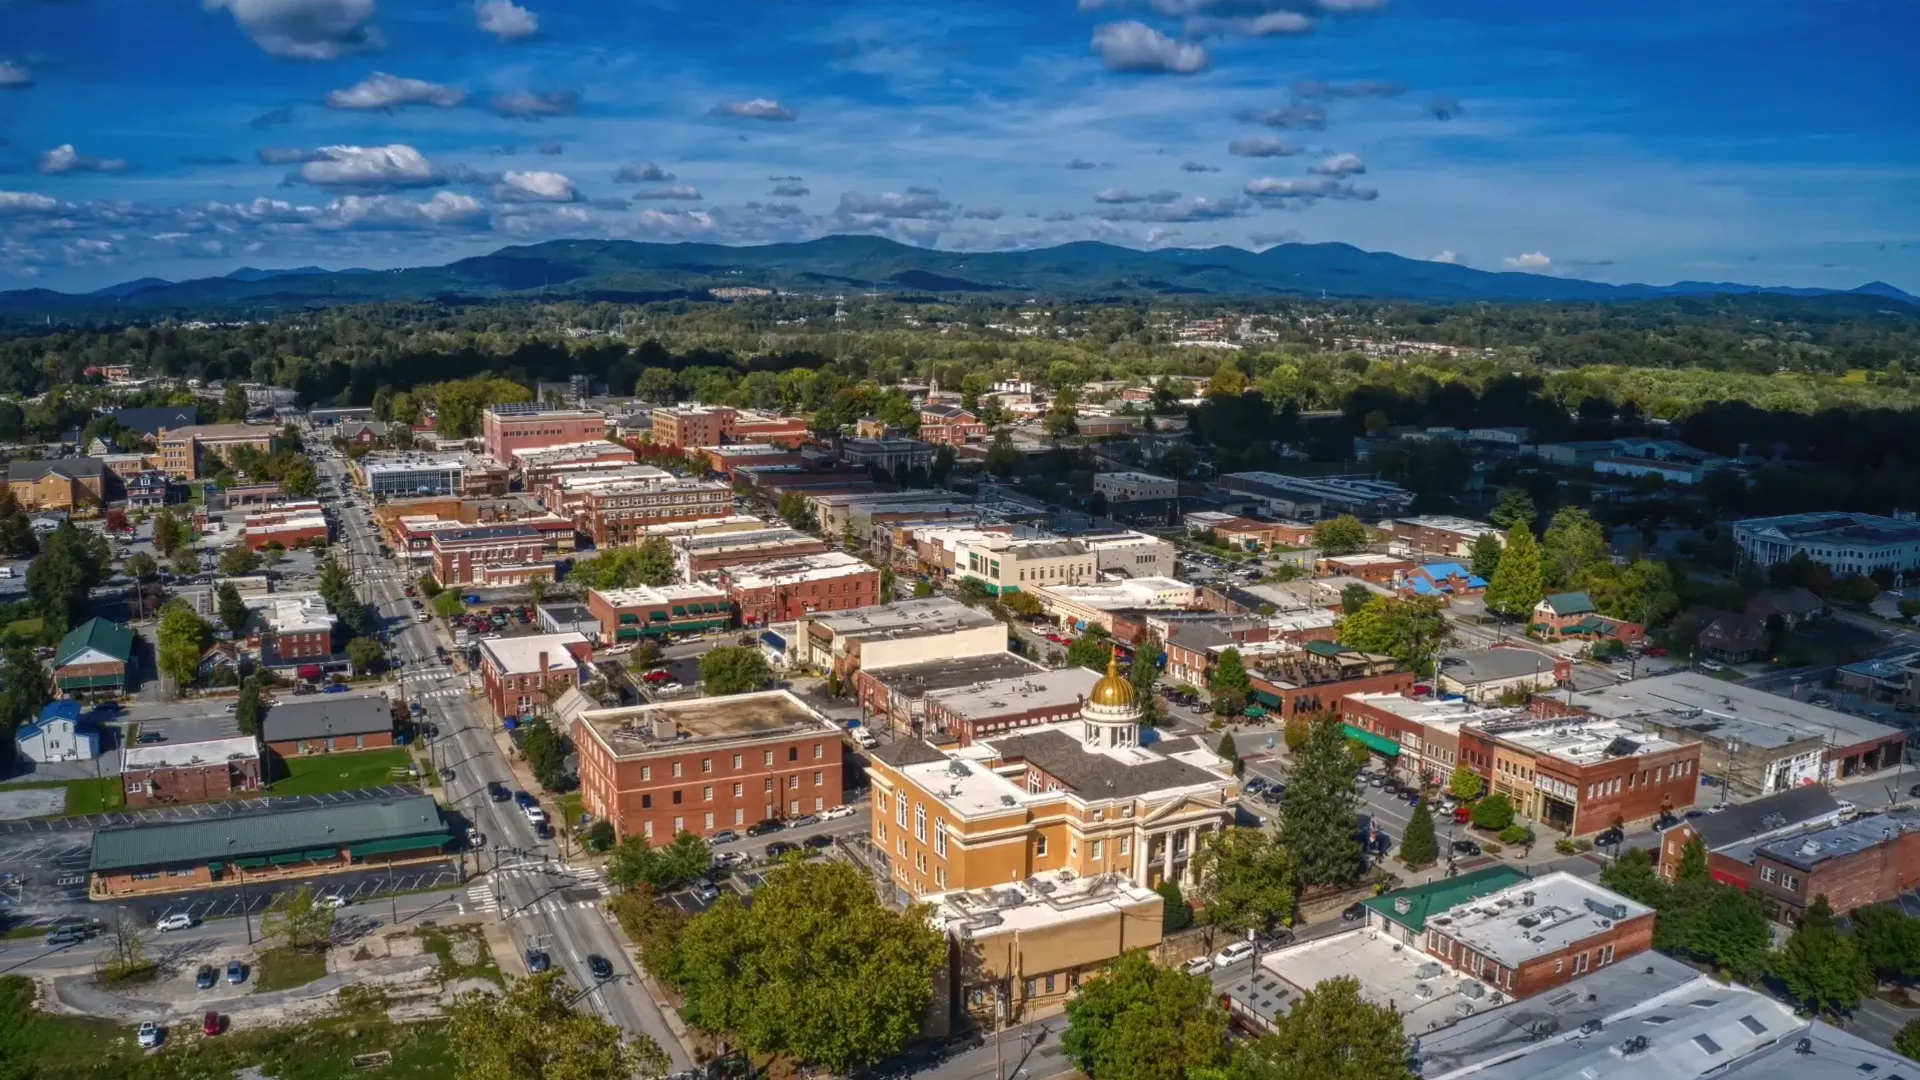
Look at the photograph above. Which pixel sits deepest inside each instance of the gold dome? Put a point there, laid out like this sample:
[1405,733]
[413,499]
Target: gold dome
[1113,691]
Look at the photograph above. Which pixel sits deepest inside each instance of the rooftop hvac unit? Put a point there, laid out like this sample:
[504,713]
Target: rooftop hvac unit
[1429,970]
[1471,989]
[1423,991]
[1526,898]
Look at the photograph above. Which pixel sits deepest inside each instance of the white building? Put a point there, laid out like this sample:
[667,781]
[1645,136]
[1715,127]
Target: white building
[1134,554]
[1134,486]
[1672,472]
[1842,541]
[59,735]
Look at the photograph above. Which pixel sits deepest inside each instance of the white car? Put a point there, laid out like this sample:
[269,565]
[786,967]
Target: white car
[1199,965]
[865,738]
[177,921]
[1712,665]
[149,1034]
[837,813]
[668,687]
[1233,954]
[330,900]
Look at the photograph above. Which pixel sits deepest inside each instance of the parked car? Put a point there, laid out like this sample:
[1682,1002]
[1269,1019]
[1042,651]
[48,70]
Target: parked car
[149,1035]
[600,966]
[1462,814]
[475,838]
[1233,954]
[330,900]
[818,841]
[210,1024]
[68,935]
[206,977]
[1199,965]
[179,920]
[762,828]
[1353,912]
[802,821]
[497,791]
[1609,837]
[780,849]
[236,973]
[525,800]
[446,774]
[1465,847]
[336,688]
[1712,665]
[543,829]
[538,961]
[1255,785]
[837,813]
[724,836]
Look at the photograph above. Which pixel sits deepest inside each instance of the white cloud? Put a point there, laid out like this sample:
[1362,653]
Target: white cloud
[396,166]
[25,202]
[1294,116]
[1121,196]
[1339,165]
[535,186]
[1135,46]
[1198,167]
[677,191]
[642,172]
[1279,190]
[14,77]
[1197,208]
[914,203]
[505,19]
[305,29]
[983,213]
[383,91]
[1263,146]
[1533,262]
[789,190]
[756,109]
[64,159]
[1448,256]
[444,210]
[1271,24]
[531,105]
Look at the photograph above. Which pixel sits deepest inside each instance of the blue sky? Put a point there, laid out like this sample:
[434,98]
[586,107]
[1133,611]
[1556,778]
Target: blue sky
[1767,141]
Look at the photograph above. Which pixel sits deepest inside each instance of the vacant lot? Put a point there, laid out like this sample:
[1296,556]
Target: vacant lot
[340,772]
[284,969]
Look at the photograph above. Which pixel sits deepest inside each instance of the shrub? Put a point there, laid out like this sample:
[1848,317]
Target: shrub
[1493,813]
[1490,848]
[1516,834]
[1564,846]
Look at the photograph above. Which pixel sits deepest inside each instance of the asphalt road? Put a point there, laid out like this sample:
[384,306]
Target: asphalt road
[530,871]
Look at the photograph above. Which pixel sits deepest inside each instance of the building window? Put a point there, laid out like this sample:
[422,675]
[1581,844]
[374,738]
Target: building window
[1579,963]
[1040,847]
[793,753]
[769,783]
[1769,875]
[738,789]
[709,821]
[900,811]
[1029,988]
[736,762]
[706,764]
[646,802]
[1789,883]
[816,778]
[1049,984]
[706,793]
[1098,846]
[740,817]
[676,769]
[1606,954]
[920,822]
[679,825]
[676,796]
[1126,845]
[940,838]
[817,752]
[646,773]
[766,757]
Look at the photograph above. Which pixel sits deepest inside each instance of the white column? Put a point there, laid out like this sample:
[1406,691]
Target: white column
[1166,857]
[1193,845]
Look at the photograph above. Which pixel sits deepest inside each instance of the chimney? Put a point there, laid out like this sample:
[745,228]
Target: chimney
[543,663]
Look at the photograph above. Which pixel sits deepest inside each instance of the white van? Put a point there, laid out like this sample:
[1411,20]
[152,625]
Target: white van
[865,738]
[177,921]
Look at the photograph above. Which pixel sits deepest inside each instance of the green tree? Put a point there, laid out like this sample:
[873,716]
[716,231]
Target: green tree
[1411,631]
[25,689]
[1137,1021]
[1023,604]
[655,561]
[1299,728]
[1518,583]
[734,670]
[1245,880]
[533,1031]
[599,836]
[793,511]
[1465,784]
[232,608]
[1318,810]
[300,480]
[142,567]
[1513,509]
[1493,813]
[429,586]
[299,921]
[233,404]
[1573,544]
[1231,753]
[1230,683]
[238,561]
[166,532]
[1890,940]
[817,969]
[1331,1033]
[1091,651]
[1906,1041]
[1418,845]
[183,639]
[1343,535]
[634,862]
[1355,597]
[1632,875]
[1144,673]
[1820,967]
[1003,458]
[1175,913]
[365,653]
[545,750]
[252,708]
[448,604]
[185,561]
[69,565]
[1485,561]
[922,590]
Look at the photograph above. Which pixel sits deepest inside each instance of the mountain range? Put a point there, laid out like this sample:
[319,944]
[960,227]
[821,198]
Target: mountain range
[621,270]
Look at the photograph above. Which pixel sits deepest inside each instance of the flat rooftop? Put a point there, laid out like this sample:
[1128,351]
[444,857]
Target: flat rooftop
[521,655]
[905,618]
[929,676]
[569,452]
[1586,743]
[744,540]
[521,413]
[641,730]
[1808,850]
[1426,993]
[1132,477]
[1471,667]
[1540,917]
[1133,593]
[1720,710]
[186,754]
[1365,560]
[1448,523]
[645,595]
[820,567]
[1055,898]
[1023,693]
[1431,712]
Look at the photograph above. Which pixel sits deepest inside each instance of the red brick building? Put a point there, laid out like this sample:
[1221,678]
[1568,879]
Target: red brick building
[1538,934]
[707,765]
[490,555]
[684,427]
[1866,861]
[616,515]
[1580,774]
[190,772]
[289,628]
[524,676]
[1732,836]
[627,615]
[950,425]
[328,724]
[507,429]
[724,459]
[702,554]
[967,713]
[289,525]
[777,591]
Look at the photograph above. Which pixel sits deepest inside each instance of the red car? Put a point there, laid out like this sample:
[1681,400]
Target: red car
[657,677]
[210,1024]
[1059,640]
[1460,815]
[1653,650]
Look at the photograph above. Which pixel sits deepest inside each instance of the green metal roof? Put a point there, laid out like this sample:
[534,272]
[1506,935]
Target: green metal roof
[237,839]
[108,637]
[1436,897]
[1570,603]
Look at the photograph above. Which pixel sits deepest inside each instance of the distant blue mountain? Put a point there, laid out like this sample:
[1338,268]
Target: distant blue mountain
[629,271]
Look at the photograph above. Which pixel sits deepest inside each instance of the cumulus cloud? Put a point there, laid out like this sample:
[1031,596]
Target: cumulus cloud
[913,203]
[26,202]
[395,166]
[535,186]
[14,77]
[1307,191]
[1448,256]
[65,159]
[532,105]
[1121,196]
[755,109]
[642,172]
[1272,24]
[1135,46]
[1197,208]
[305,29]
[1198,167]
[271,118]
[505,19]
[445,209]
[1263,146]
[1444,107]
[1533,262]
[789,190]
[1310,90]
[1264,240]
[982,213]
[677,191]
[1339,165]
[1081,165]
[384,92]
[1294,116]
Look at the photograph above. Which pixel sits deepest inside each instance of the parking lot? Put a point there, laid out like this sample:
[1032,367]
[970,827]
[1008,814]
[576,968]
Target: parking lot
[192,811]
[357,886]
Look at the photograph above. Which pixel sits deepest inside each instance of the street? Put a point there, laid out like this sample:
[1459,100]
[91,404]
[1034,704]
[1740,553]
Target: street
[523,872]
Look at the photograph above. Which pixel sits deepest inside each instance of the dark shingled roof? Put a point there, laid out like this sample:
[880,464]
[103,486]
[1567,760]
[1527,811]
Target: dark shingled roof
[1097,776]
[906,752]
[327,714]
[1743,821]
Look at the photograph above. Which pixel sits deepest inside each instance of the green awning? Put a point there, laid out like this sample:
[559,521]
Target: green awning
[92,682]
[216,866]
[679,609]
[1371,741]
[629,618]
[1271,701]
[699,624]
[250,863]
[626,633]
[657,616]
[287,857]
[396,845]
[315,854]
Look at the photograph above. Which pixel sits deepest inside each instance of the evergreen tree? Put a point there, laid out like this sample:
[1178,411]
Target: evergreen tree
[1419,847]
[1230,684]
[1143,673]
[252,709]
[1486,556]
[1317,813]
[1572,545]
[232,608]
[1231,752]
[1517,585]
[1513,509]
[1820,967]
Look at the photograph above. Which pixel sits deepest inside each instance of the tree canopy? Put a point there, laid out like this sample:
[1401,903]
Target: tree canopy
[1318,810]
[737,669]
[1139,1021]
[533,1031]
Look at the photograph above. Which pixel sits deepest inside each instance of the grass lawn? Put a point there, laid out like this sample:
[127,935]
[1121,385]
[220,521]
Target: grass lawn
[284,969]
[23,631]
[49,1047]
[341,772]
[463,954]
[84,796]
